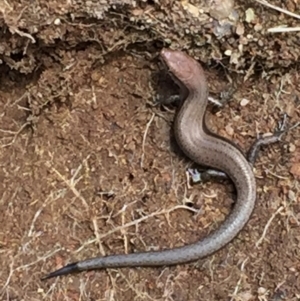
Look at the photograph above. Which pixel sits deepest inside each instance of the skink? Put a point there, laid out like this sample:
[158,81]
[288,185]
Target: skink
[204,148]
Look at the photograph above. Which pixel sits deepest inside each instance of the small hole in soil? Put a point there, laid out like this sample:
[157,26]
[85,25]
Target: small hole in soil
[145,198]
[130,177]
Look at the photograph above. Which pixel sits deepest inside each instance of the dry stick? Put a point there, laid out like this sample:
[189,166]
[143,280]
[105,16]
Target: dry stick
[22,267]
[96,232]
[43,258]
[139,294]
[249,72]
[283,29]
[71,184]
[144,138]
[135,222]
[102,251]
[22,34]
[11,8]
[282,10]
[275,175]
[39,211]
[11,271]
[123,232]
[239,281]
[26,94]
[268,225]
[15,133]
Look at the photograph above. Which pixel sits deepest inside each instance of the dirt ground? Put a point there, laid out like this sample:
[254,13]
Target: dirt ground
[89,167]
